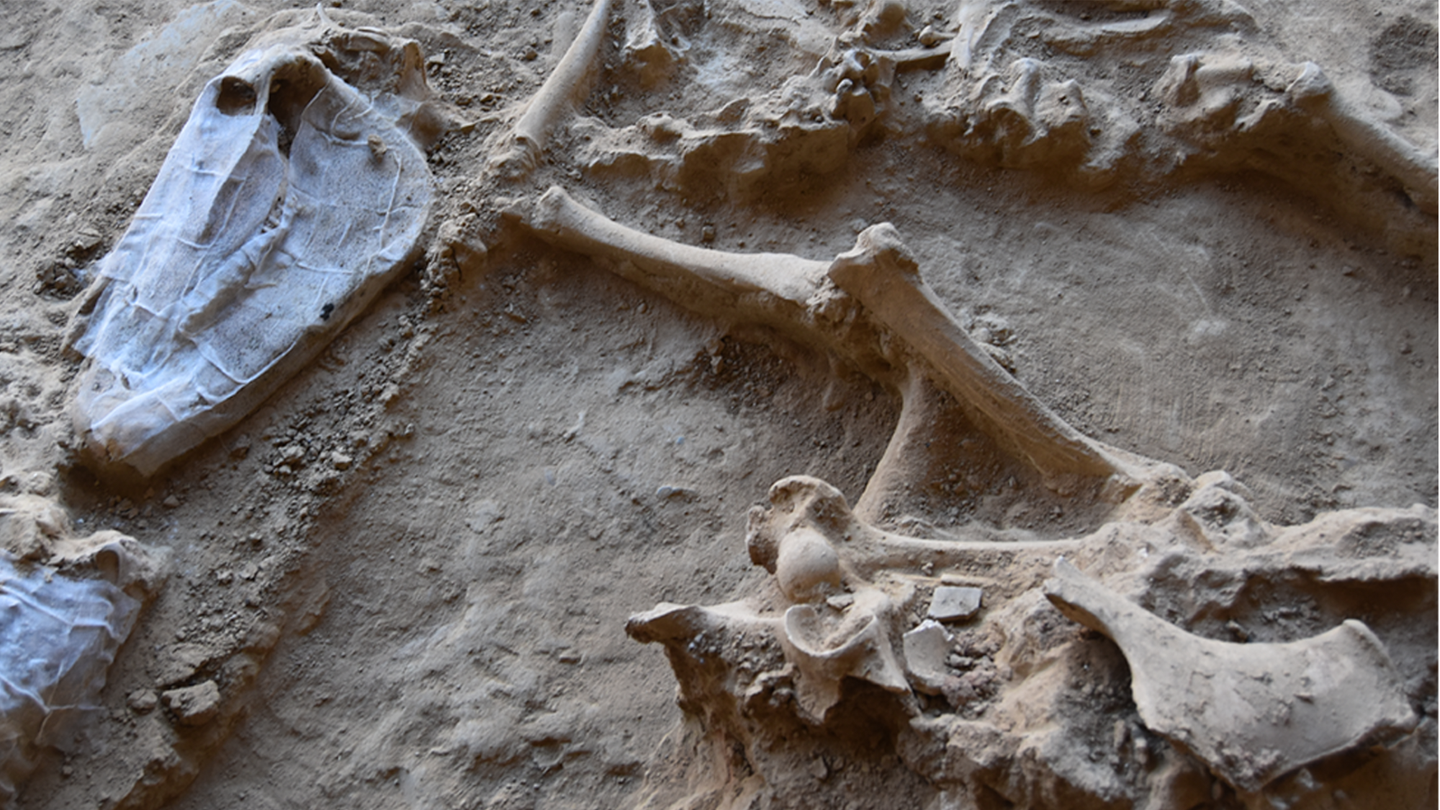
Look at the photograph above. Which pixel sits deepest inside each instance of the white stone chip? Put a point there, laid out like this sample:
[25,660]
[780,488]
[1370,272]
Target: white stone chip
[952,604]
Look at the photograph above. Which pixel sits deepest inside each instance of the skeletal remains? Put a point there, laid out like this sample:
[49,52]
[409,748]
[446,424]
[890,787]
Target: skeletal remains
[287,202]
[67,603]
[291,197]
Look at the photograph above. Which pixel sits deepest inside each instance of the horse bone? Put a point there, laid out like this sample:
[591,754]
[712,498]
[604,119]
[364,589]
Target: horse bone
[791,293]
[568,84]
[1252,712]
[1416,170]
[882,274]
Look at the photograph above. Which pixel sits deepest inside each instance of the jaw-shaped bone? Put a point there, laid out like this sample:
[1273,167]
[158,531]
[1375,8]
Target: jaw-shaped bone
[1252,712]
[288,200]
[567,85]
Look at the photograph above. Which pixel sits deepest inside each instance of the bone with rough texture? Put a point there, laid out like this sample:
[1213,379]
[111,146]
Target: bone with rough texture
[1359,130]
[1252,712]
[246,257]
[883,275]
[880,273]
[567,85]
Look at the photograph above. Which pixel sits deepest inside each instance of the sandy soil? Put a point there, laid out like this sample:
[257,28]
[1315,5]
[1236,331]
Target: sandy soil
[425,605]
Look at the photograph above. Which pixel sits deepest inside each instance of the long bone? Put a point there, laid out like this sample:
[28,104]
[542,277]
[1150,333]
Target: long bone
[567,85]
[804,505]
[800,298]
[564,222]
[1416,170]
[882,274]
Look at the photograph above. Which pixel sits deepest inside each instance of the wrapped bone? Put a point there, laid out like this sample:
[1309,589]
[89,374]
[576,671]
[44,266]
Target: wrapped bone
[66,605]
[287,202]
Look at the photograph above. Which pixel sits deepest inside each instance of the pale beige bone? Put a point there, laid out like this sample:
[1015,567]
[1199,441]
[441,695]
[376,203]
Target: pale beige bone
[568,224]
[1252,712]
[826,652]
[802,505]
[566,86]
[881,273]
[793,294]
[1415,169]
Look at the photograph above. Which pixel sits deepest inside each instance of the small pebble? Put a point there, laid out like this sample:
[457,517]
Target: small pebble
[142,701]
[194,705]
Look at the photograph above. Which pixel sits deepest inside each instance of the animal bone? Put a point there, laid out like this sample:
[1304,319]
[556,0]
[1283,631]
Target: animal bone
[66,606]
[669,265]
[246,257]
[845,599]
[1359,130]
[801,505]
[1252,712]
[799,297]
[882,274]
[1221,103]
[568,84]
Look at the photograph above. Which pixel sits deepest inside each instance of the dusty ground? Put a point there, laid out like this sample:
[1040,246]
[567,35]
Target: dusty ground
[425,606]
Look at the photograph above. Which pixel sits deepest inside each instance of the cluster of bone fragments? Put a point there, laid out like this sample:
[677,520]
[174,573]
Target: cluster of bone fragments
[299,188]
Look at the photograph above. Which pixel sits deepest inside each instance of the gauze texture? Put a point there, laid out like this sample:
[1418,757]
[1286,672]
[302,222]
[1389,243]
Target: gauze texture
[288,200]
[57,638]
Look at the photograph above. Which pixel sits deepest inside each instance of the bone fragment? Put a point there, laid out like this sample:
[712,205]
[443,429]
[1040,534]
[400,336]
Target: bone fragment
[1252,712]
[1416,170]
[925,650]
[566,86]
[882,274]
[951,603]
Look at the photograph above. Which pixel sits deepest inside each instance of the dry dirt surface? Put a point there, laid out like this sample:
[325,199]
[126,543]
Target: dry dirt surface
[404,579]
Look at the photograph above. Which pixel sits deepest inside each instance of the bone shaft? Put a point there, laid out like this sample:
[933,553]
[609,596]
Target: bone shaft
[567,84]
[910,552]
[917,408]
[564,222]
[1010,413]
[1401,159]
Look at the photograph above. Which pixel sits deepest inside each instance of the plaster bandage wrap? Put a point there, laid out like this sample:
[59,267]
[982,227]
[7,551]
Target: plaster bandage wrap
[288,200]
[57,638]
